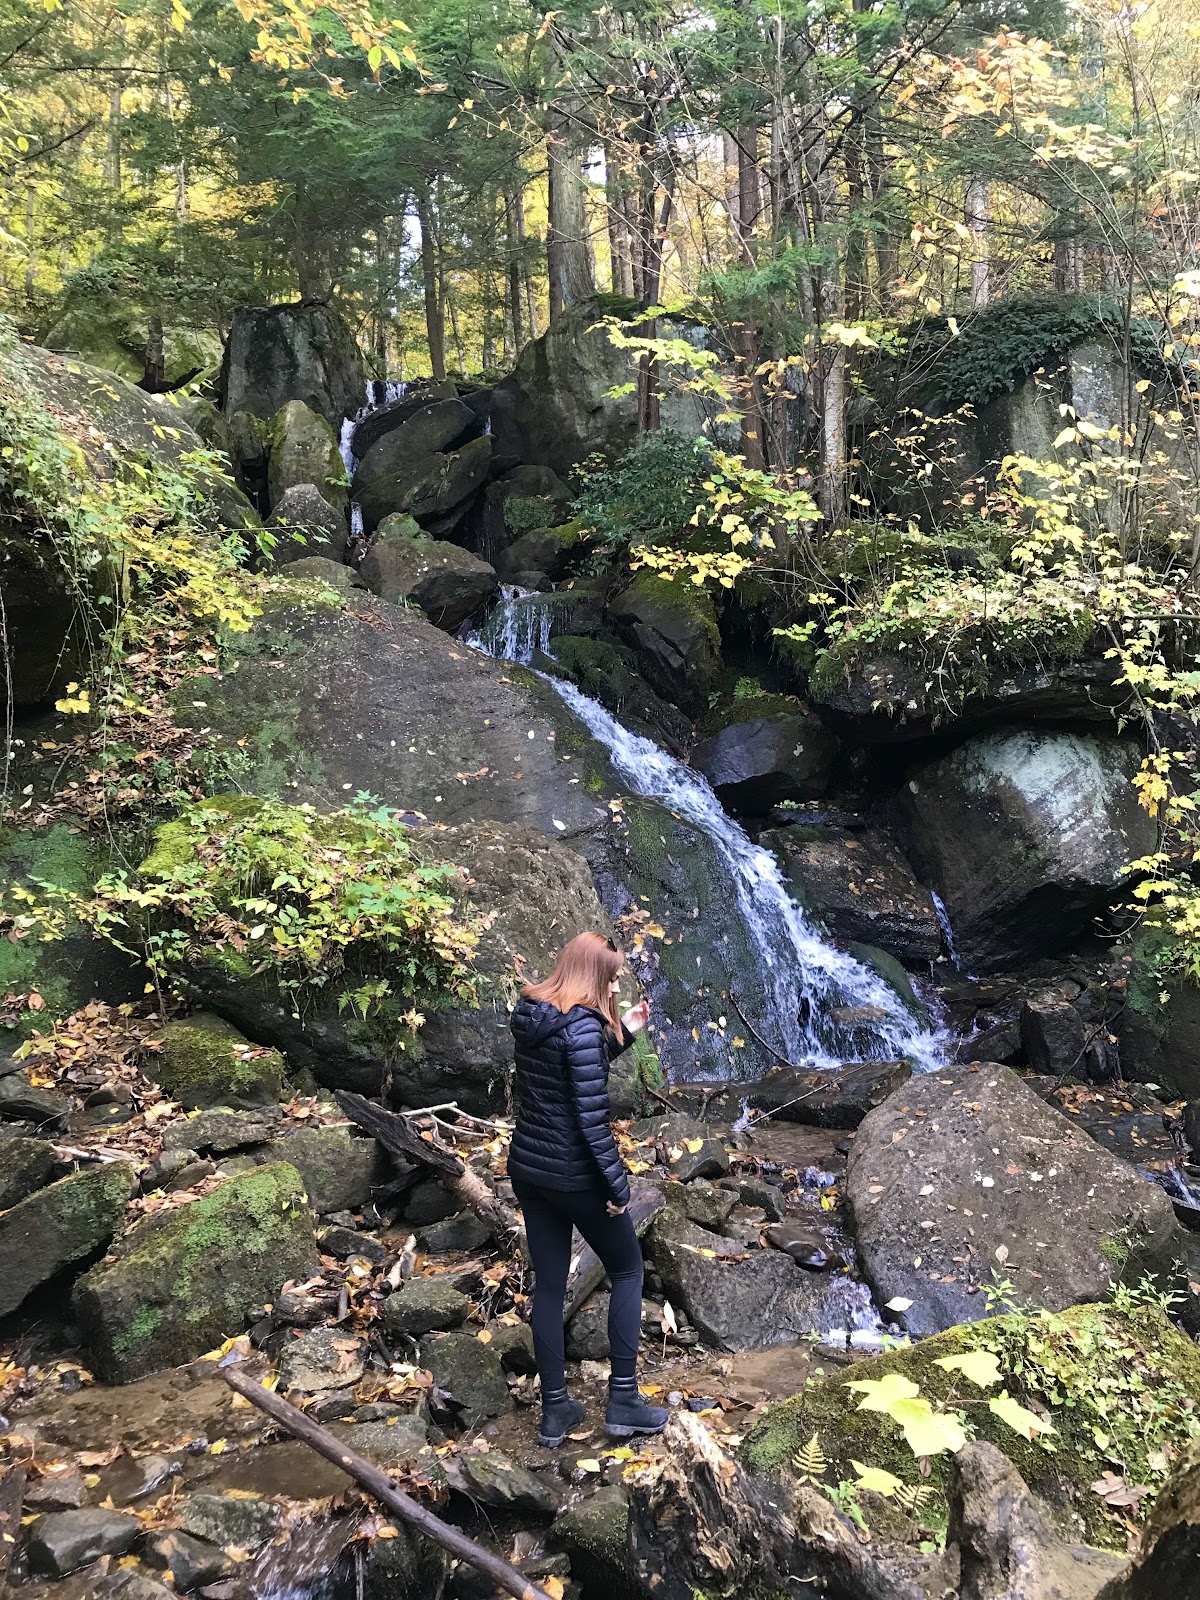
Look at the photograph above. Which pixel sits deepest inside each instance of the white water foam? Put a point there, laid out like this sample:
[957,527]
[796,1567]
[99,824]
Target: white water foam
[805,979]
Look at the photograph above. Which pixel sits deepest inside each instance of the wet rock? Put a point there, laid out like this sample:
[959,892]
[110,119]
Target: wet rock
[764,1196]
[179,1286]
[860,886]
[447,582]
[1007,1546]
[61,1227]
[595,1534]
[758,759]
[495,1481]
[609,673]
[390,1444]
[736,1304]
[66,1540]
[673,626]
[302,449]
[702,1204]
[967,1171]
[150,1473]
[462,1232]
[26,1165]
[522,505]
[804,1246]
[1160,1025]
[340,1169]
[228,1520]
[21,1102]
[471,1372]
[308,527]
[133,1585]
[291,352]
[386,418]
[425,1305]
[434,489]
[344,1243]
[690,1149]
[1025,835]
[222,1131]
[326,1358]
[428,1201]
[192,1562]
[204,1062]
[1054,1036]
[56,1491]
[839,1099]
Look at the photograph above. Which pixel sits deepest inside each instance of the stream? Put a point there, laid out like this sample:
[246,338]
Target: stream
[797,958]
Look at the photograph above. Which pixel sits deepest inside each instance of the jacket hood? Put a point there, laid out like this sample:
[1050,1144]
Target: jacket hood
[534,1021]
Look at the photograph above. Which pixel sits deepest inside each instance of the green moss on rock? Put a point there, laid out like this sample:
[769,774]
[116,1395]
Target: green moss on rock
[178,1287]
[1119,1386]
[60,1227]
[204,1062]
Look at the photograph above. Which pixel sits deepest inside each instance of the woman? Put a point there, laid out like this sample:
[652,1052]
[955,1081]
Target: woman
[566,1173]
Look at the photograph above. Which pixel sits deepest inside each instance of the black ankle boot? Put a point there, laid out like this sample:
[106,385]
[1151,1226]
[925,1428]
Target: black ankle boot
[628,1413]
[559,1415]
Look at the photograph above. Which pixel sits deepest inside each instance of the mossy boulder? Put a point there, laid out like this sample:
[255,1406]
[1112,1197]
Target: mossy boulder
[1119,1388]
[302,351]
[608,672]
[182,1283]
[966,1172]
[304,523]
[446,581]
[26,1165]
[427,432]
[434,489]
[766,750]
[595,1535]
[61,1227]
[339,1168]
[117,337]
[553,551]
[204,1062]
[672,623]
[1160,1025]
[302,448]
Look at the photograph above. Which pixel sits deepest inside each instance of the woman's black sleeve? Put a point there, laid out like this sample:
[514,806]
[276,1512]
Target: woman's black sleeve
[586,1061]
[617,1043]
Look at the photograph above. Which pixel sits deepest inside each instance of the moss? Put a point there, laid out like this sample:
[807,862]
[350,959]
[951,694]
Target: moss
[205,1062]
[1118,1386]
[748,708]
[280,592]
[681,595]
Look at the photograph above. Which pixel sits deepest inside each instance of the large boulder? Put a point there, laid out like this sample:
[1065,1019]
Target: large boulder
[202,1061]
[119,338]
[326,696]
[966,1173]
[515,505]
[765,753]
[1160,1023]
[673,626]
[306,525]
[446,581]
[433,488]
[109,421]
[296,352]
[60,1228]
[433,429]
[860,886]
[609,673]
[1025,835]
[548,555]
[183,1282]
[302,448]
[391,414]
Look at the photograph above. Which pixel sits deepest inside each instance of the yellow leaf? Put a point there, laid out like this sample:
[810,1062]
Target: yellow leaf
[589,1464]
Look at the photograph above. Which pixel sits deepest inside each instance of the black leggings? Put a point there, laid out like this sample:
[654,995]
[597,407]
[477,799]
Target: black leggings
[550,1215]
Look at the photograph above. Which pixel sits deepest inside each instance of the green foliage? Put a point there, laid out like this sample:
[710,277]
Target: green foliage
[649,495]
[313,905]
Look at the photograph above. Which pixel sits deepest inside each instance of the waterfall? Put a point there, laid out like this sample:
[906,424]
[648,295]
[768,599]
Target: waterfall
[346,445]
[943,917]
[797,962]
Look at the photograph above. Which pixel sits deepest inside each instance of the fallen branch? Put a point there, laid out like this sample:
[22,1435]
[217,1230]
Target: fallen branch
[12,1499]
[380,1487]
[754,1033]
[398,1133]
[587,1270]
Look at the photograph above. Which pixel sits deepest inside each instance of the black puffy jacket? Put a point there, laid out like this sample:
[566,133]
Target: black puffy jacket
[563,1139]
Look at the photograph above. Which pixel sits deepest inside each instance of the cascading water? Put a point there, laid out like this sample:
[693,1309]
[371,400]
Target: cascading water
[378,393]
[851,1013]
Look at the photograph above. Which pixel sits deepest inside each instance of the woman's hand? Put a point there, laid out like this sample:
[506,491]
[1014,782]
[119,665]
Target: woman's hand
[637,1017]
[615,1210]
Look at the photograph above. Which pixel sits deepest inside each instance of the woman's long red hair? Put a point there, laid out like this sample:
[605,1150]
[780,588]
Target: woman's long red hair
[587,967]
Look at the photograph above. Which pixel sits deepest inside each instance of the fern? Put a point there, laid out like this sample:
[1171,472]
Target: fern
[810,1463]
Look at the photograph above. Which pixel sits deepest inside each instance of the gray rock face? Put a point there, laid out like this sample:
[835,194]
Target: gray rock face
[446,581]
[193,1562]
[436,428]
[673,627]
[26,1165]
[967,1172]
[390,1444]
[21,1101]
[1024,834]
[66,1540]
[747,1304]
[325,1358]
[323,570]
[339,1169]
[61,1227]
[493,1480]
[471,1372]
[296,352]
[860,886]
[425,1306]
[302,448]
[756,763]
[430,488]
[306,525]
[513,506]
[228,1520]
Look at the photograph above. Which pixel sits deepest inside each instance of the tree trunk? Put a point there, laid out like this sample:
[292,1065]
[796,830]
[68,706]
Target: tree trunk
[568,247]
[1068,266]
[749,196]
[112,162]
[649,398]
[832,495]
[435,329]
[978,212]
[620,245]
[514,224]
